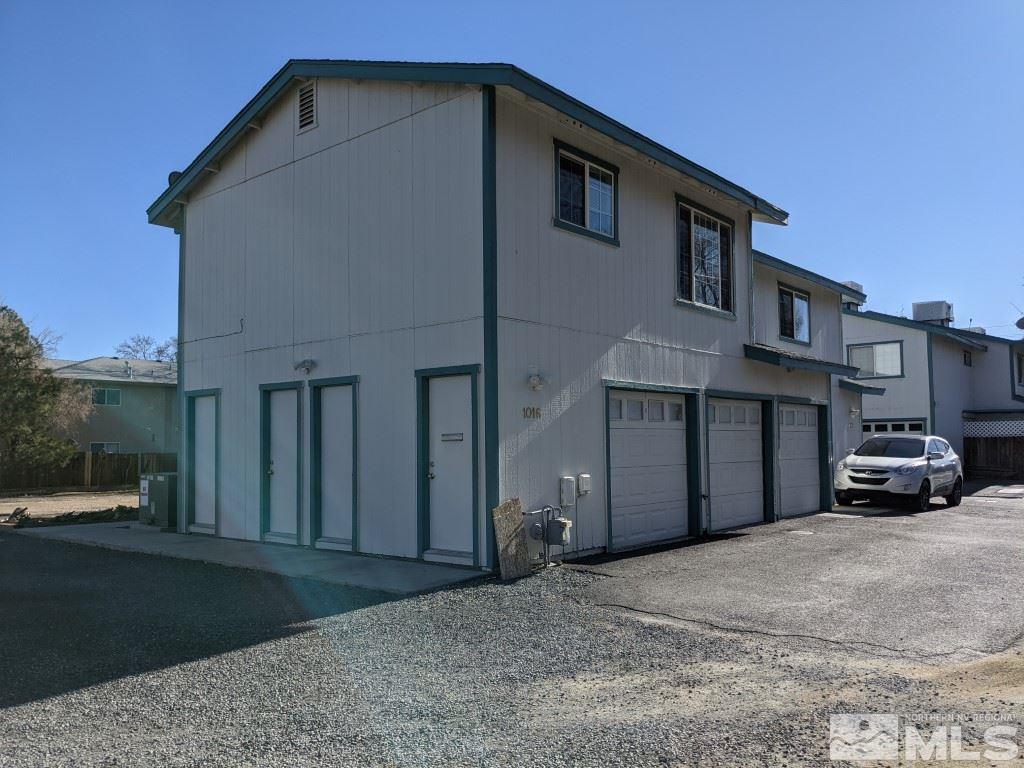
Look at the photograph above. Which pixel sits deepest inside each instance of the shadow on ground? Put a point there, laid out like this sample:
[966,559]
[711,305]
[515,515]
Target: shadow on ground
[74,616]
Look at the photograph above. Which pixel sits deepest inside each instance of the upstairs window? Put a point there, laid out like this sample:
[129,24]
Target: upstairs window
[794,315]
[587,194]
[877,361]
[705,269]
[106,396]
[967,358]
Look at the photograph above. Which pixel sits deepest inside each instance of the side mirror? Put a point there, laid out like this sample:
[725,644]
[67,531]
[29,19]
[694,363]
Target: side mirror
[850,451]
[935,455]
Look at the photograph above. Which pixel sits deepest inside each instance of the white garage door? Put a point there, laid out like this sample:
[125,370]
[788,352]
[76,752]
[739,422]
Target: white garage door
[800,479]
[735,463]
[648,468]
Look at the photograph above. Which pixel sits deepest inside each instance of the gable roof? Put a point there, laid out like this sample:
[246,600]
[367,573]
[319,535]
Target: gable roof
[477,74]
[760,257]
[960,335]
[115,369]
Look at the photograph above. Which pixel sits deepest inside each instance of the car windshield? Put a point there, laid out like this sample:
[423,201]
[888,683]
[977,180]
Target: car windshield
[892,447]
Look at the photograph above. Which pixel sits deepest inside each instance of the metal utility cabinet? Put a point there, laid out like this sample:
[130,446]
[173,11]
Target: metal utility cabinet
[158,500]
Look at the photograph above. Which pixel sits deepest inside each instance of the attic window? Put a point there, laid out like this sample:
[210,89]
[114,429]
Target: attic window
[307,105]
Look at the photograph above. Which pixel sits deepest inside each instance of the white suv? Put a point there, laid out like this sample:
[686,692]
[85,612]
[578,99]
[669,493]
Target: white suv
[911,467]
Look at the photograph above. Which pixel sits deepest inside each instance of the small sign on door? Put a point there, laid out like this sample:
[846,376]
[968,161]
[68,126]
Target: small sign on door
[451,437]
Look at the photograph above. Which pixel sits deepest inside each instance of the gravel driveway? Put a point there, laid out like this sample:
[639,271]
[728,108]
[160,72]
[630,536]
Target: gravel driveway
[122,659]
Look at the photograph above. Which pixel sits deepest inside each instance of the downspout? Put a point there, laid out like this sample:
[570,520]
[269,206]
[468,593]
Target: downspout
[750,276]
[180,365]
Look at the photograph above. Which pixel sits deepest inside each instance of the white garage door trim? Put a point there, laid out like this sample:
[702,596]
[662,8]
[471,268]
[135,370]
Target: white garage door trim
[799,459]
[649,493]
[317,477]
[735,449]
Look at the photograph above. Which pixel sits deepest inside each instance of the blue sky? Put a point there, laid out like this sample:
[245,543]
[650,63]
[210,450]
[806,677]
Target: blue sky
[891,131]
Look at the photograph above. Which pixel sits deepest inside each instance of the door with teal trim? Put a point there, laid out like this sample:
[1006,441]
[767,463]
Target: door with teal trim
[282,466]
[450,466]
[335,466]
[204,465]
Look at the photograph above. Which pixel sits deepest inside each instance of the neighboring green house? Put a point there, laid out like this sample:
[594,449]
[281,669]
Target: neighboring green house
[135,404]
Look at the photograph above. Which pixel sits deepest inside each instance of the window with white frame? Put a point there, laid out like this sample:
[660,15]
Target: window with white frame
[106,396]
[794,315]
[877,361]
[586,195]
[705,268]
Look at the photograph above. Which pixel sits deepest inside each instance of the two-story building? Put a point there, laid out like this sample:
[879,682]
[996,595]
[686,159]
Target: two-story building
[410,291]
[960,383]
[135,404]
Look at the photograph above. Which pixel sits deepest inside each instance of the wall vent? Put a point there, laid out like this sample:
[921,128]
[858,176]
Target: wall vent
[307,105]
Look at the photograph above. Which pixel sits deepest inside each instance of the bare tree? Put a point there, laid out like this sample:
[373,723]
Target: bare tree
[138,347]
[168,350]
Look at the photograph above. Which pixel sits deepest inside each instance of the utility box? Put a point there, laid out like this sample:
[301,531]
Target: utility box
[158,500]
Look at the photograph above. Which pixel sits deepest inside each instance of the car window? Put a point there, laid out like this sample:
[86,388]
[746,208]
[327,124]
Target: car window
[892,448]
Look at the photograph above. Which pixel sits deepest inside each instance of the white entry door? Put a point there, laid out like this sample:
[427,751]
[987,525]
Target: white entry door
[799,460]
[735,463]
[450,467]
[336,464]
[204,465]
[282,466]
[647,433]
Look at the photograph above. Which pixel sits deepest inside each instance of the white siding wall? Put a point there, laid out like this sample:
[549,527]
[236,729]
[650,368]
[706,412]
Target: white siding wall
[846,426]
[953,383]
[580,311]
[993,386]
[905,397]
[825,316]
[356,244]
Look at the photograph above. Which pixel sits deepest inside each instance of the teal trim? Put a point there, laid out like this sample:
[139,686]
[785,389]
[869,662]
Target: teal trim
[637,386]
[608,470]
[691,409]
[265,390]
[959,335]
[691,405]
[489,194]
[479,74]
[862,389]
[723,313]
[189,497]
[566,226]
[826,457]
[180,366]
[888,419]
[931,387]
[903,368]
[423,377]
[773,262]
[994,410]
[784,359]
[769,458]
[316,387]
[796,292]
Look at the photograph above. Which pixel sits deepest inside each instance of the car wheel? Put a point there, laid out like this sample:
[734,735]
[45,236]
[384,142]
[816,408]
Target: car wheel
[953,500]
[922,502]
[842,497]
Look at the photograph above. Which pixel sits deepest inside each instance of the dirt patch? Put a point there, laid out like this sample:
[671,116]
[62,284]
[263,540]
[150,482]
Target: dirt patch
[20,519]
[57,504]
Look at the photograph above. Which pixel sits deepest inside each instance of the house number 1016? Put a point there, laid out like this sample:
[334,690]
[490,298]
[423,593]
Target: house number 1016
[531,412]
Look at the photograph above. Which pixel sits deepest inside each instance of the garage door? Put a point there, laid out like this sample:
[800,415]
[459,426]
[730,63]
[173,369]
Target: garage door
[735,463]
[647,434]
[799,462]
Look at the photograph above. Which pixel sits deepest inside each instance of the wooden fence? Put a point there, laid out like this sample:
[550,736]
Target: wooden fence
[88,470]
[994,457]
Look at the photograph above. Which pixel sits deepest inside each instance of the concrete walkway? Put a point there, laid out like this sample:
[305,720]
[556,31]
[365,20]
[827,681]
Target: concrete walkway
[400,577]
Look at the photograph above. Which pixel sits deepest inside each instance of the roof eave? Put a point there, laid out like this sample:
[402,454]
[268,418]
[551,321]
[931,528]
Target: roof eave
[161,211]
[835,286]
[783,359]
